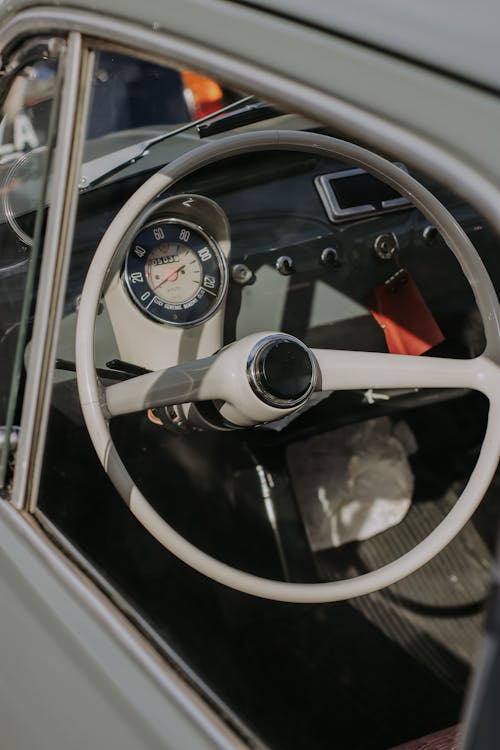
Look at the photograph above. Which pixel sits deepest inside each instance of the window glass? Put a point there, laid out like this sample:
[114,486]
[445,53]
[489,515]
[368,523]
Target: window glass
[274,245]
[133,93]
[25,137]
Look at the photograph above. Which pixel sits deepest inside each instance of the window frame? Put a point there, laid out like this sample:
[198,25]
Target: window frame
[39,48]
[61,199]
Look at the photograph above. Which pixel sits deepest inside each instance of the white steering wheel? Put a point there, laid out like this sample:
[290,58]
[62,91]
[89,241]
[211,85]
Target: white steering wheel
[233,376]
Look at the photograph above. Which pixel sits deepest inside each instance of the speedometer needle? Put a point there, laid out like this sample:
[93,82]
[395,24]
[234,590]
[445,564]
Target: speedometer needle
[172,276]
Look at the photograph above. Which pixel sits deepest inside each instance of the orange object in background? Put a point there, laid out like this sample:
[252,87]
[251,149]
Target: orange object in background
[203,95]
[401,311]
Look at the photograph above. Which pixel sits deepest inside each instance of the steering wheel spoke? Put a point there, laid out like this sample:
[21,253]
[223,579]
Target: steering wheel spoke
[173,385]
[351,370]
[259,378]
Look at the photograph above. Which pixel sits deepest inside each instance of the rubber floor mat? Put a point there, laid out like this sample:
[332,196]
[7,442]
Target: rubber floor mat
[436,614]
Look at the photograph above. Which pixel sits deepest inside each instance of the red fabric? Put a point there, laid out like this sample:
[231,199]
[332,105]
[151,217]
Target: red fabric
[401,311]
[447,739]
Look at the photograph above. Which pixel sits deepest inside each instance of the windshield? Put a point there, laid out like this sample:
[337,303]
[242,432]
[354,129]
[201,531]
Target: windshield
[135,104]
[129,93]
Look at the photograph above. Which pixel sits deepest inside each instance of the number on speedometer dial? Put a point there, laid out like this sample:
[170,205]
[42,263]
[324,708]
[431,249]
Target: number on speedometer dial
[175,273]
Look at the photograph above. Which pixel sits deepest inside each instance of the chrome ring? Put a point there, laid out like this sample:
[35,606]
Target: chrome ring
[254,372]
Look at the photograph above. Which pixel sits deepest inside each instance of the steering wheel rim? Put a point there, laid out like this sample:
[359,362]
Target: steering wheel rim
[488,381]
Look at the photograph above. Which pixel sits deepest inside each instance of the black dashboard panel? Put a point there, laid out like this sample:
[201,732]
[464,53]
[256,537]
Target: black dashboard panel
[275,211]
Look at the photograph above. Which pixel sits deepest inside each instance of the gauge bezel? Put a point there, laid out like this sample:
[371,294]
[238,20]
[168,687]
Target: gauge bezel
[220,260]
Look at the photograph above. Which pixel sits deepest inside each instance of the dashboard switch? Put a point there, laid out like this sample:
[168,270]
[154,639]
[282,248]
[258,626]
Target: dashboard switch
[386,246]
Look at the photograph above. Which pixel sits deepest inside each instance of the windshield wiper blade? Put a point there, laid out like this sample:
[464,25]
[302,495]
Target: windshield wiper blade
[96,170]
[238,118]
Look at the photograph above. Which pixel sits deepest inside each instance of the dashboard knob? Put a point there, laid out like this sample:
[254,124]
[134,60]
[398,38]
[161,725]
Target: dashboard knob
[386,246]
[242,274]
[430,234]
[284,265]
[330,257]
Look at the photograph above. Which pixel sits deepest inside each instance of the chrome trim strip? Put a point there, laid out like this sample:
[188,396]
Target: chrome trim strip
[395,202]
[336,213]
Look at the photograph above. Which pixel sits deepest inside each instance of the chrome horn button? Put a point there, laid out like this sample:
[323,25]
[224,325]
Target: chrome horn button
[282,371]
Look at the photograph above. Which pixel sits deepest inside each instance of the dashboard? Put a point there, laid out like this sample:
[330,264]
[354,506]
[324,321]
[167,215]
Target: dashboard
[284,241]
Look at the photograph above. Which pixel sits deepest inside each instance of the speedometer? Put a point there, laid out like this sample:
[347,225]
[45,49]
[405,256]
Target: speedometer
[175,272]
